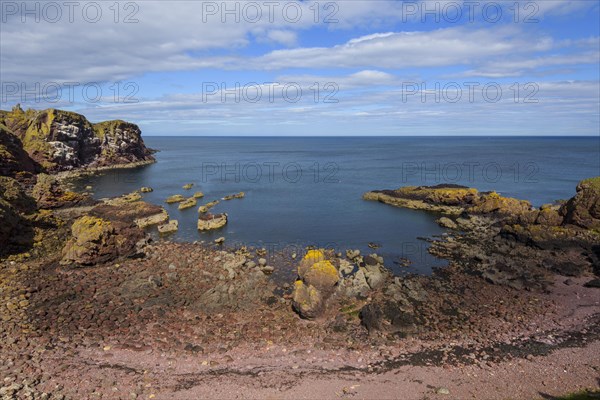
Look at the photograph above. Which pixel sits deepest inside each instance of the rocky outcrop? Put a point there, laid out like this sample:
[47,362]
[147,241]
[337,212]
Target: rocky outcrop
[187,203]
[208,222]
[13,159]
[97,240]
[62,140]
[583,210]
[207,206]
[451,200]
[15,205]
[49,193]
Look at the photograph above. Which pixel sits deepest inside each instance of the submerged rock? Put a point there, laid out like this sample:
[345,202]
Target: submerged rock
[209,221]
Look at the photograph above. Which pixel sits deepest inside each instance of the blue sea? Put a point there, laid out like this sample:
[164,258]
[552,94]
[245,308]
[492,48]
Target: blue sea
[308,191]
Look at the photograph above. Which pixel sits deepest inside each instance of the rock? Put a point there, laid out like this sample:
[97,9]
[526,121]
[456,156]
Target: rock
[311,257]
[352,254]
[13,158]
[209,221]
[267,269]
[49,193]
[124,200]
[188,203]
[198,195]
[389,317]
[239,195]
[373,245]
[548,215]
[61,140]
[583,209]
[250,264]
[146,189]
[88,187]
[374,275]
[207,206]
[97,240]
[442,390]
[170,227]
[594,283]
[175,199]
[294,255]
[355,285]
[322,275]
[188,186]
[155,219]
[220,240]
[306,300]
[346,267]
[262,262]
[447,223]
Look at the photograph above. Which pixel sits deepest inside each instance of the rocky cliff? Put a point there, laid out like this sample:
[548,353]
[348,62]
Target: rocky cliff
[61,140]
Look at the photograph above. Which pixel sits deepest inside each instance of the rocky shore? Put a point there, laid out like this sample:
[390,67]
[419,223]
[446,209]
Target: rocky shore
[92,307]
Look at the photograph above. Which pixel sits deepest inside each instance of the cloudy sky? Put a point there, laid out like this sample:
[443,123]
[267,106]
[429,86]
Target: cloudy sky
[351,67]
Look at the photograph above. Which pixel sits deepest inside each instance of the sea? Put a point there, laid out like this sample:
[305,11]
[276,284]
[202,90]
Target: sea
[307,191]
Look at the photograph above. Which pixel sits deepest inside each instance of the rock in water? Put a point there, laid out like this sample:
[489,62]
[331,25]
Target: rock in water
[171,226]
[208,206]
[209,221]
[188,186]
[177,198]
[146,189]
[155,219]
[198,195]
[188,203]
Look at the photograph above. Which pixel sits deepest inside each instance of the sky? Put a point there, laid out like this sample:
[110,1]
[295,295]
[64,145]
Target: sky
[313,68]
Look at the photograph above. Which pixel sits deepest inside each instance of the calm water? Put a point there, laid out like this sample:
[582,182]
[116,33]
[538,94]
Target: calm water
[307,191]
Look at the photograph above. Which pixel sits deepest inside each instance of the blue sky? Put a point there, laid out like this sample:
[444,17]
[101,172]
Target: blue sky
[355,68]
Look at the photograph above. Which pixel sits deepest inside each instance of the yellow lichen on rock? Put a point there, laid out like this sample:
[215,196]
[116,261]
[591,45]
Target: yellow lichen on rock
[306,300]
[322,275]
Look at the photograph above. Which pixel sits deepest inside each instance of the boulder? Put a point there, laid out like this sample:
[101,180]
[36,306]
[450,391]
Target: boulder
[306,300]
[311,257]
[95,240]
[209,221]
[322,275]
[170,227]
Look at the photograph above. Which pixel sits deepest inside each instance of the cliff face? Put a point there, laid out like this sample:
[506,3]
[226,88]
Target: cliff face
[13,158]
[62,140]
